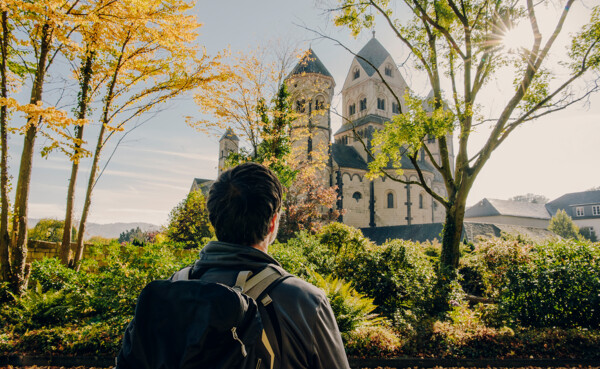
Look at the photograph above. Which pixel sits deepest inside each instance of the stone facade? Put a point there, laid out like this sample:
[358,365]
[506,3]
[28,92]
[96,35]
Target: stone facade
[367,104]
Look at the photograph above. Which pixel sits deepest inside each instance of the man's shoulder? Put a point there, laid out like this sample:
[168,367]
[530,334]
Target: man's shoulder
[299,290]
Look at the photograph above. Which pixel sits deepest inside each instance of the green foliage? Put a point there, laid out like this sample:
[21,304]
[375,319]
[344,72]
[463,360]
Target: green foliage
[86,311]
[352,310]
[558,288]
[407,131]
[563,225]
[398,275]
[484,270]
[50,230]
[372,342]
[137,237]
[588,233]
[188,222]
[274,148]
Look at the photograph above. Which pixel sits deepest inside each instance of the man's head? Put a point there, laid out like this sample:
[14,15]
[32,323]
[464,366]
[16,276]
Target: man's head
[243,202]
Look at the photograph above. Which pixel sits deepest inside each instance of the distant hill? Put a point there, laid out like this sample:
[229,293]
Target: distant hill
[111,230]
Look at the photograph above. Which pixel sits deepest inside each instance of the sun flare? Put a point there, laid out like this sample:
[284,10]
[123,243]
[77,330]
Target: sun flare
[518,38]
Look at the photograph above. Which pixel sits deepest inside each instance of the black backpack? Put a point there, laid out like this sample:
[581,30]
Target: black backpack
[187,323]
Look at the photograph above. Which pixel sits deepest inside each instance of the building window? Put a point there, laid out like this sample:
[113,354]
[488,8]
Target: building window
[300,106]
[390,200]
[356,73]
[319,104]
[388,70]
[579,212]
[357,196]
[352,109]
[395,108]
[380,104]
[420,201]
[430,139]
[363,104]
[596,209]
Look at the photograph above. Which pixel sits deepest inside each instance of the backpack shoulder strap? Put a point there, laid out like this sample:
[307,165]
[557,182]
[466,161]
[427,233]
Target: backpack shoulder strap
[256,285]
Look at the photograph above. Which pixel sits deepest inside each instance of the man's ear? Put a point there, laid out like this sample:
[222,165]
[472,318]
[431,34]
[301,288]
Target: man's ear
[273,223]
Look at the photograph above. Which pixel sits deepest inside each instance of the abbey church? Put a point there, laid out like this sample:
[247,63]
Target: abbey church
[367,104]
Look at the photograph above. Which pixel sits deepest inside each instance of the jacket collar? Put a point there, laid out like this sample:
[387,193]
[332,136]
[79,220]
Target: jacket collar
[223,254]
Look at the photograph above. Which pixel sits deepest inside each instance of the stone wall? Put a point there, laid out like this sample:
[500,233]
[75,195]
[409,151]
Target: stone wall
[37,250]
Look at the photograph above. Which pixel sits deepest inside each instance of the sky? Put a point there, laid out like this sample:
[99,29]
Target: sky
[152,168]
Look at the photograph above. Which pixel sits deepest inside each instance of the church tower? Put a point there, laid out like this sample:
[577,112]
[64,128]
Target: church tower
[311,89]
[367,102]
[228,143]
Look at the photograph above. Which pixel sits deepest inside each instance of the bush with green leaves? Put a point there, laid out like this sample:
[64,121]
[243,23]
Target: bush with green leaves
[484,270]
[352,309]
[188,222]
[558,288]
[563,225]
[398,275]
[50,230]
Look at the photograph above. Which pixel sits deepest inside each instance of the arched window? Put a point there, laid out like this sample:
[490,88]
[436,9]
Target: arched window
[363,104]
[357,196]
[319,103]
[420,201]
[300,106]
[380,103]
[395,108]
[352,109]
[390,200]
[356,73]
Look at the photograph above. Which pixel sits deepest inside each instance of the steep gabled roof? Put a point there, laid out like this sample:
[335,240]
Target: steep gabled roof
[310,63]
[492,207]
[375,53]
[369,118]
[347,157]
[229,135]
[574,198]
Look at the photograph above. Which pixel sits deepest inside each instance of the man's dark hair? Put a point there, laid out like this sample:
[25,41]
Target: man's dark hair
[242,202]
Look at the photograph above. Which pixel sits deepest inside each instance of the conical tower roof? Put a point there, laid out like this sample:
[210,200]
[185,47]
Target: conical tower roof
[310,63]
[229,135]
[375,53]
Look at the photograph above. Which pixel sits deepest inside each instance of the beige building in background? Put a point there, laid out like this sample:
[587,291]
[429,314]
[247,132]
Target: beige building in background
[367,104]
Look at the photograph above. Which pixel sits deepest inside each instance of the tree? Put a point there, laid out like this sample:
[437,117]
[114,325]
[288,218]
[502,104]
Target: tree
[34,33]
[188,221]
[563,225]
[147,64]
[50,230]
[235,103]
[459,46]
[530,197]
[308,205]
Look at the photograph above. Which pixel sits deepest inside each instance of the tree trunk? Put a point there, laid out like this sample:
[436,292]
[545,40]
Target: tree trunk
[4,236]
[65,250]
[93,171]
[19,232]
[451,239]
[88,197]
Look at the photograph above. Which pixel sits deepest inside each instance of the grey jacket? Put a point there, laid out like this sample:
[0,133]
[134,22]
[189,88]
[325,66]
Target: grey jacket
[309,333]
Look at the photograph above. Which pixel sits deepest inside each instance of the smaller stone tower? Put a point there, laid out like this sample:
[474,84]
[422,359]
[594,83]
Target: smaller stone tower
[227,144]
[311,89]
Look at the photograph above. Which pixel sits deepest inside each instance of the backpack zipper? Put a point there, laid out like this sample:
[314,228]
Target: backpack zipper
[235,337]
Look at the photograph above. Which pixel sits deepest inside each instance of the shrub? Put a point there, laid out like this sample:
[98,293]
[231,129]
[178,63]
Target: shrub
[484,270]
[372,342]
[398,275]
[352,309]
[558,288]
[291,257]
[189,223]
[50,230]
[51,274]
